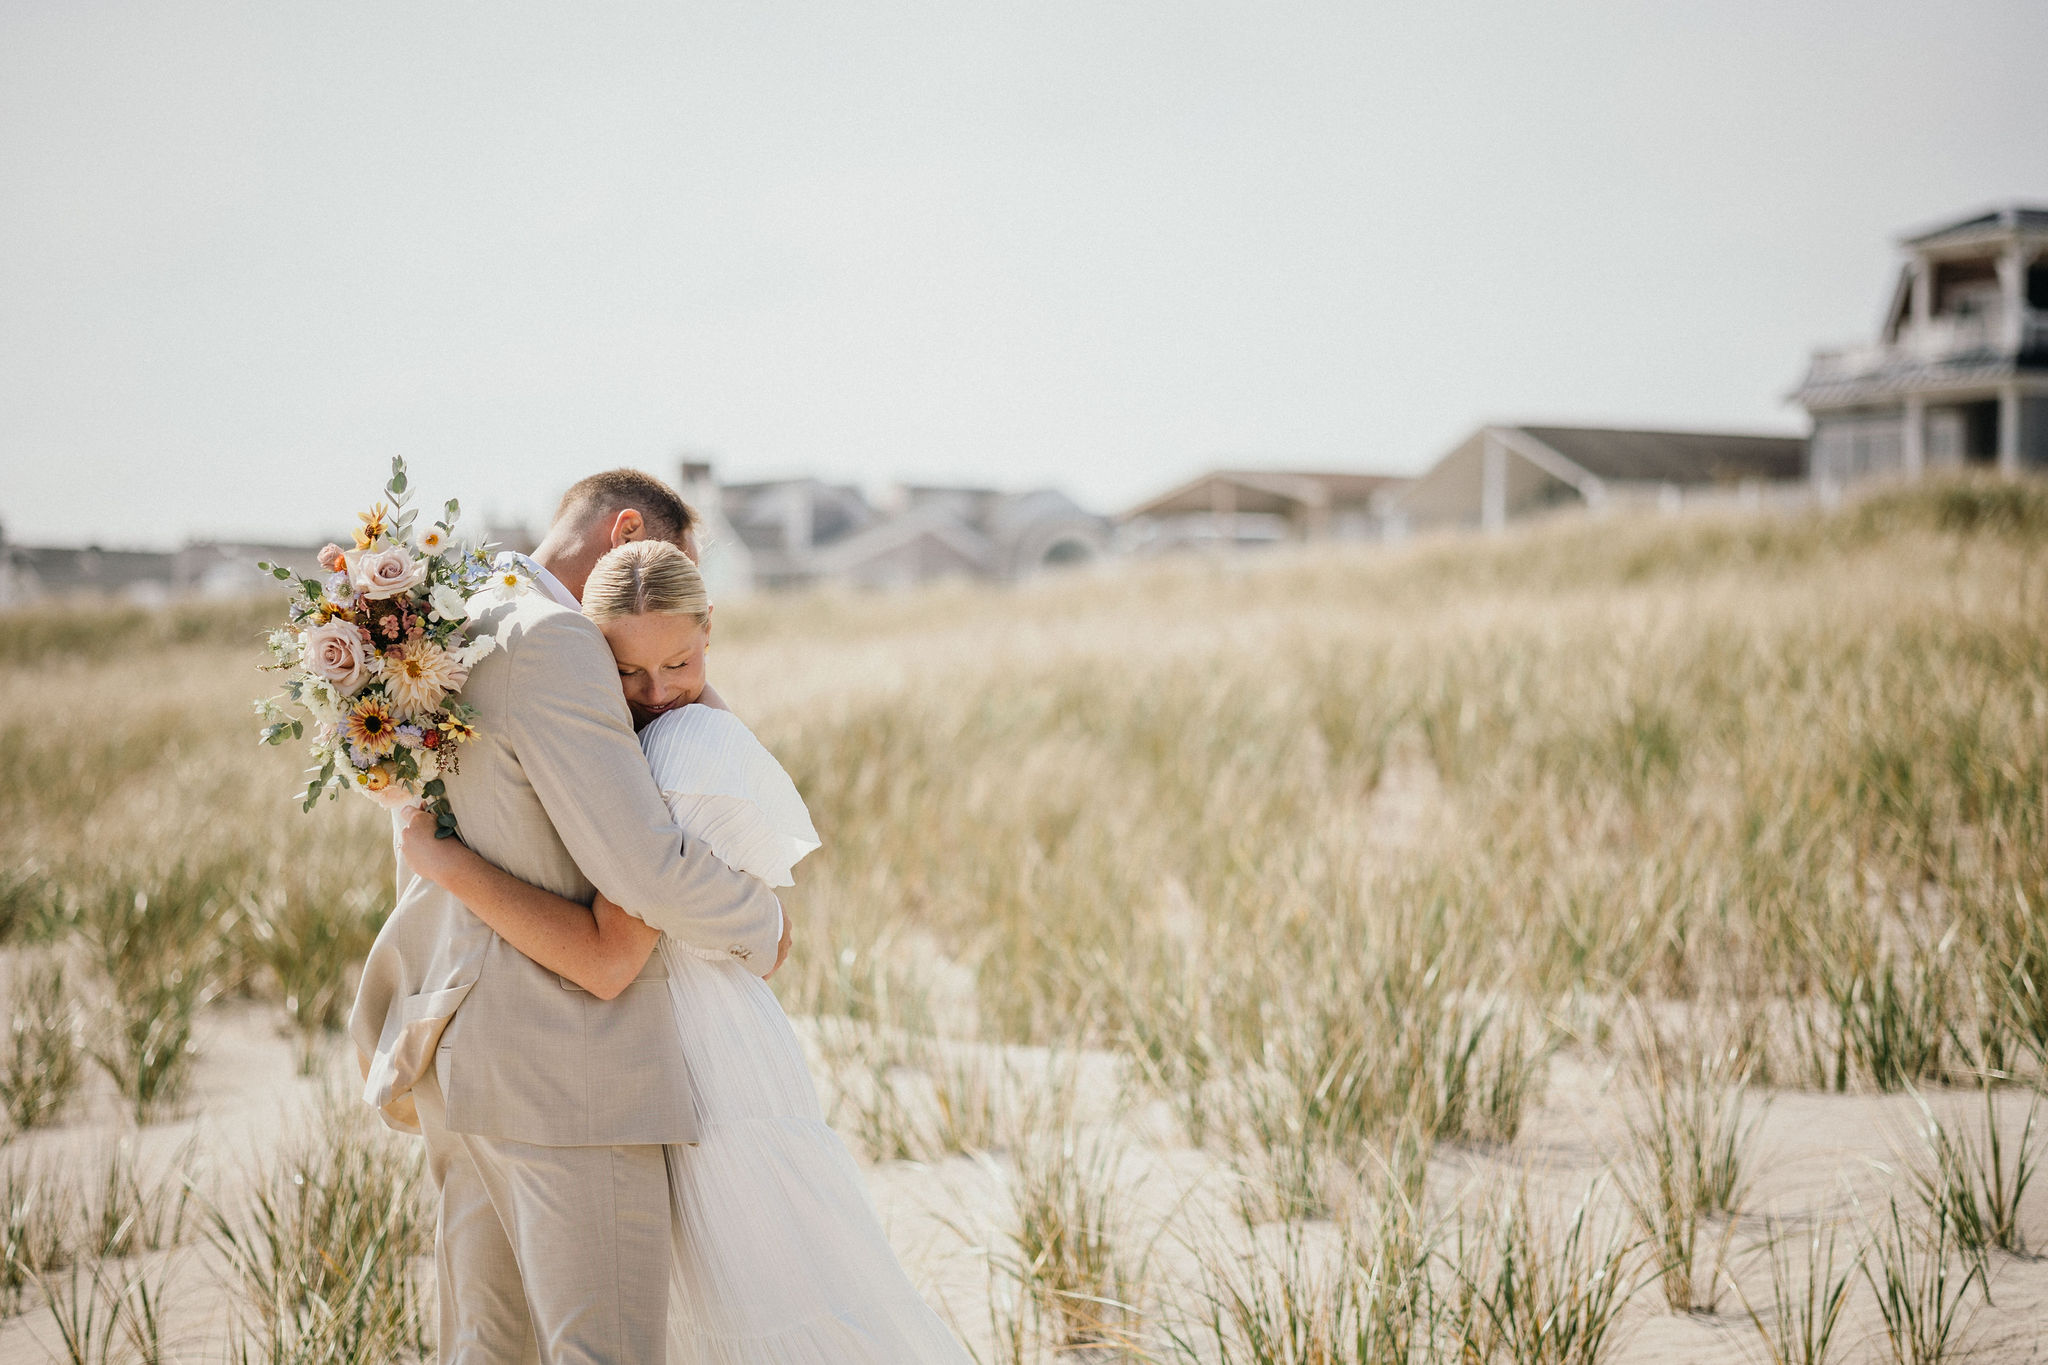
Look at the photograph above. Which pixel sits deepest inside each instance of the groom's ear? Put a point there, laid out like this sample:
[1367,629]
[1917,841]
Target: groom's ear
[628,525]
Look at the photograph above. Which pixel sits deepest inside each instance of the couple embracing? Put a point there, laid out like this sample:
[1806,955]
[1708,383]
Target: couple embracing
[569,1001]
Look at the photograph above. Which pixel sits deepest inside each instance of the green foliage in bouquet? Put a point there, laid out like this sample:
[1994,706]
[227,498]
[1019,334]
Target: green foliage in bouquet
[376,652]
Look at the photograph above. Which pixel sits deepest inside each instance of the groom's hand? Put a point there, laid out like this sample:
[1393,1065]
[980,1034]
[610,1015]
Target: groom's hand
[782,948]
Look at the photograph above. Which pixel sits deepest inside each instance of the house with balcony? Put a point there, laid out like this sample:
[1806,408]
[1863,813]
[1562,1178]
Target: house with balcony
[1958,376]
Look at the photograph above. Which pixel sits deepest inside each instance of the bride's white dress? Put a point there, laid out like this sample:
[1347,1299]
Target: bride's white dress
[779,1257]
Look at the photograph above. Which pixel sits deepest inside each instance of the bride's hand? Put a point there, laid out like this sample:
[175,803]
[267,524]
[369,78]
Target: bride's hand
[432,858]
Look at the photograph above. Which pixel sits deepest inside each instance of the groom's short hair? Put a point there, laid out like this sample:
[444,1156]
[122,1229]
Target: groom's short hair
[667,516]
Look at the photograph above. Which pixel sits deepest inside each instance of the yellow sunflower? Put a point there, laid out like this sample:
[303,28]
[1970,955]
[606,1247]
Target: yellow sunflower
[371,727]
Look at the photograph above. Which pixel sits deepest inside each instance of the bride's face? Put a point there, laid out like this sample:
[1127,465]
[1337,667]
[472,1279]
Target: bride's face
[661,661]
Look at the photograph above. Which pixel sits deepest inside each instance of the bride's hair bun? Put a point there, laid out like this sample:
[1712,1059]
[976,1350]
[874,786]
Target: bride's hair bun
[642,577]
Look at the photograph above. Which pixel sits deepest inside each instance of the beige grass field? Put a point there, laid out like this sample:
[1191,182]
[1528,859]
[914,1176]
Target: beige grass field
[1612,942]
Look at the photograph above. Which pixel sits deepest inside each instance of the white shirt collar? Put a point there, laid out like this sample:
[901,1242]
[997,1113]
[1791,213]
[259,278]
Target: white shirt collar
[549,584]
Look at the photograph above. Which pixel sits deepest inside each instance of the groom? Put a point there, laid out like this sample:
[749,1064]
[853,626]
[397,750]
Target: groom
[543,1107]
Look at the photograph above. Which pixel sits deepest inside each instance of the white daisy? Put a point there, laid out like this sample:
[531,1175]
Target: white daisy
[502,584]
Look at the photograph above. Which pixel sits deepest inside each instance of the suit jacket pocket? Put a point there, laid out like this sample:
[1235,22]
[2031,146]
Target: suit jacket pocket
[410,1047]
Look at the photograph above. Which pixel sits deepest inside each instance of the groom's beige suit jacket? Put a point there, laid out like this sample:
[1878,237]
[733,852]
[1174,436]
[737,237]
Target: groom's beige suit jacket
[555,791]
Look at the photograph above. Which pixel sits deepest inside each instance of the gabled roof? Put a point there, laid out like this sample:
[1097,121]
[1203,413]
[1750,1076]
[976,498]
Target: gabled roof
[757,511]
[1998,222]
[1268,490]
[935,522]
[1680,457]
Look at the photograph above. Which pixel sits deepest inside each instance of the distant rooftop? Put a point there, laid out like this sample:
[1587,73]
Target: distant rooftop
[1991,222]
[1268,490]
[1678,457]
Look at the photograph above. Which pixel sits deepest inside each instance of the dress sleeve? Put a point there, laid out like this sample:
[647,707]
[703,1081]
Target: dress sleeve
[725,789]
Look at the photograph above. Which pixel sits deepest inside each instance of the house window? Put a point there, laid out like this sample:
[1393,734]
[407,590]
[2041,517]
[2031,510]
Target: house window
[1965,288]
[1064,552]
[1980,431]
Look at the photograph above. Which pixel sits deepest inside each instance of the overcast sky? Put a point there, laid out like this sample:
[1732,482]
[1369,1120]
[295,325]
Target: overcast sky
[250,251]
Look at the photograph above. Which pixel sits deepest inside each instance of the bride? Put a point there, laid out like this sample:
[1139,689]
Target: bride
[778,1256]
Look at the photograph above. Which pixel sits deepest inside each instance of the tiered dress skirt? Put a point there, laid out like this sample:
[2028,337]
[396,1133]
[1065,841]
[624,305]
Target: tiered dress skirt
[779,1257]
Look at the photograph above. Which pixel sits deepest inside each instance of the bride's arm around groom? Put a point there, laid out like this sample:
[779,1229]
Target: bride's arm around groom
[577,747]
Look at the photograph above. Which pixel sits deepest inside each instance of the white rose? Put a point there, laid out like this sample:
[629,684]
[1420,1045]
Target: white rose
[337,652]
[448,603]
[385,573]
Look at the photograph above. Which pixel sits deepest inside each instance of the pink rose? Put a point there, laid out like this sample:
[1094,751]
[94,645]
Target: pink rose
[332,557]
[380,574]
[339,652]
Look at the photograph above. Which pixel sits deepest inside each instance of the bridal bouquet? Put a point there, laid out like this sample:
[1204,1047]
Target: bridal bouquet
[376,652]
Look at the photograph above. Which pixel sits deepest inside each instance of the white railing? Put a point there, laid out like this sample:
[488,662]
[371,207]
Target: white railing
[1940,338]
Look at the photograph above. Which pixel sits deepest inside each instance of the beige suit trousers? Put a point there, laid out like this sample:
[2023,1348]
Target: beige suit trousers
[546,1255]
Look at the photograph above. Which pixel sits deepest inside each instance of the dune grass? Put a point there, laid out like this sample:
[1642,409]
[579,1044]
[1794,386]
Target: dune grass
[1335,850]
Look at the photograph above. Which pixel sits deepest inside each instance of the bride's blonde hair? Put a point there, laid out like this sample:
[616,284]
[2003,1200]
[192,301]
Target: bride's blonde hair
[644,576]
